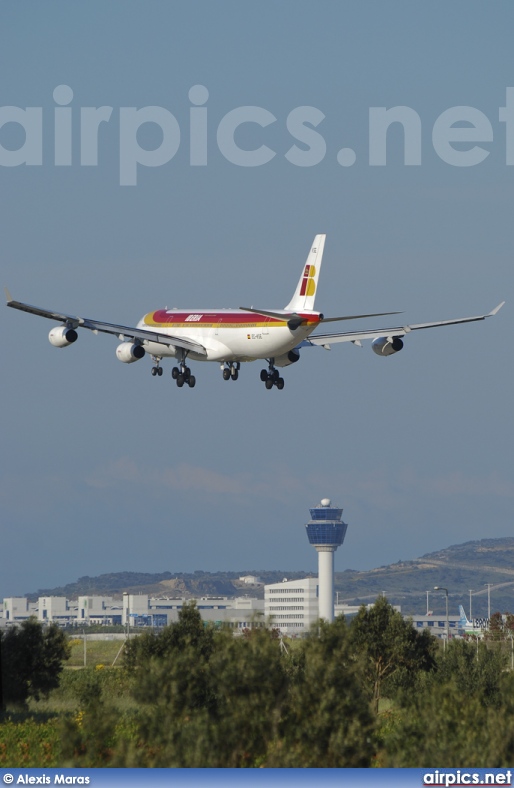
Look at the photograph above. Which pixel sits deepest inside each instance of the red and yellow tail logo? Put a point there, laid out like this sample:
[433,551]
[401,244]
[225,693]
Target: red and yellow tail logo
[308,287]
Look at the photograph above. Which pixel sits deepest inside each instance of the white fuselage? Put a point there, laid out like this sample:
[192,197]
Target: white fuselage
[227,334]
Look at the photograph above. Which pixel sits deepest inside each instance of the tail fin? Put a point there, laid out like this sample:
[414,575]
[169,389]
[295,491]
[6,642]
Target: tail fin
[463,618]
[305,292]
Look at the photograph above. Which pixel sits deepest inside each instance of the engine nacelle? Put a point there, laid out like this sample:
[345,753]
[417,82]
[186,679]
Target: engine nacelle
[62,336]
[386,346]
[288,358]
[128,352]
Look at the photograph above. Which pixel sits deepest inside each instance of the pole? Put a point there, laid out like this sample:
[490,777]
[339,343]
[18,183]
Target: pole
[488,603]
[440,588]
[447,620]
[85,654]
[470,612]
[427,601]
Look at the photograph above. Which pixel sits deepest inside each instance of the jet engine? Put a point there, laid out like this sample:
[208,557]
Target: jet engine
[386,346]
[288,358]
[128,352]
[62,336]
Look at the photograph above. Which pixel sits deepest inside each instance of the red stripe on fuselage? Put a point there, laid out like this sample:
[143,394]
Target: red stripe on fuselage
[162,317]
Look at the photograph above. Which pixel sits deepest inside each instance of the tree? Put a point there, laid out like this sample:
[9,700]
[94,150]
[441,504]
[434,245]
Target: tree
[242,702]
[495,631]
[473,669]
[442,724]
[462,712]
[189,630]
[327,719]
[390,646]
[31,661]
[209,708]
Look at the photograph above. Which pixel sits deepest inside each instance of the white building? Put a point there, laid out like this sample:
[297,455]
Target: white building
[98,610]
[56,608]
[134,609]
[239,613]
[437,624]
[18,608]
[292,605]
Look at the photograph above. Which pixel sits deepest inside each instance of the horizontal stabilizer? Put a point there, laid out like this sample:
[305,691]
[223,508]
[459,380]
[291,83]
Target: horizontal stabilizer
[285,316]
[294,320]
[356,317]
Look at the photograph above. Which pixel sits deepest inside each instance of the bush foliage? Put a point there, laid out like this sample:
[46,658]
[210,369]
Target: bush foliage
[373,692]
[31,659]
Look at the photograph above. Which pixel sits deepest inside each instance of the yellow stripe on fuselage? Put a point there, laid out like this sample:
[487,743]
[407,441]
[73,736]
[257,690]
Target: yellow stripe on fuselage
[275,324]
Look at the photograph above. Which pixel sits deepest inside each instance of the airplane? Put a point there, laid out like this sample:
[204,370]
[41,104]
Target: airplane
[233,336]
[475,627]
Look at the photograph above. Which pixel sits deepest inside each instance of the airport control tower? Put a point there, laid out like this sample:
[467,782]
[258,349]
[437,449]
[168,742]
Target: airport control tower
[326,532]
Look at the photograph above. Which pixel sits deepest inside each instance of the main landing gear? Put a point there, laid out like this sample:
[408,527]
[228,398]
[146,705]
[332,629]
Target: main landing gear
[231,370]
[182,374]
[157,369]
[271,377]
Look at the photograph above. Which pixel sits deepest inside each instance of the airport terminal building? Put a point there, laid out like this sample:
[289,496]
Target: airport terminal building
[133,610]
[291,606]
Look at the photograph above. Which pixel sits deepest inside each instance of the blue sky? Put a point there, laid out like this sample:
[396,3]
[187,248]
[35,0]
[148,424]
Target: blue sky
[104,468]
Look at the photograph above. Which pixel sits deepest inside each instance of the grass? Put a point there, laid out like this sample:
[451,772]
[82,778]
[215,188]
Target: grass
[34,737]
[29,742]
[98,652]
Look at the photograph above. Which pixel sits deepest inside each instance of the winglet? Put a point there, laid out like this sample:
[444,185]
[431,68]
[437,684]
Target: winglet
[8,295]
[496,309]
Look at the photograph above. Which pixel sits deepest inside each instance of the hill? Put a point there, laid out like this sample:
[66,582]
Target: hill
[458,568]
[177,584]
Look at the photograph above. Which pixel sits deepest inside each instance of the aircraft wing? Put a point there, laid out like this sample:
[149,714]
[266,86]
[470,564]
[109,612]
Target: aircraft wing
[397,331]
[108,328]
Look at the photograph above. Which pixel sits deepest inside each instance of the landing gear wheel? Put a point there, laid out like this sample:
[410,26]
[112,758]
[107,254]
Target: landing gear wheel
[269,384]
[187,373]
[226,374]
[264,375]
[191,381]
[175,373]
[155,371]
[234,374]
[279,384]
[180,380]
[275,375]
[159,371]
